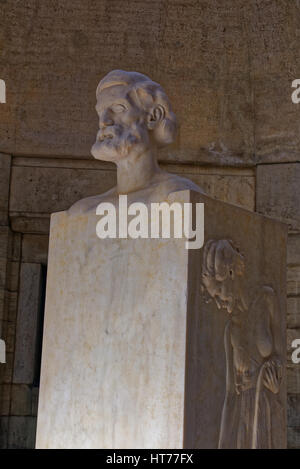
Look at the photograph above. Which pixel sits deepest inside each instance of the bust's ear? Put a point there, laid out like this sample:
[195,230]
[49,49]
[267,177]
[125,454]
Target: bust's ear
[155,116]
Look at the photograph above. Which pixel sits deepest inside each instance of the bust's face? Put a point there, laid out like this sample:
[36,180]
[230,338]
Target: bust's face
[122,126]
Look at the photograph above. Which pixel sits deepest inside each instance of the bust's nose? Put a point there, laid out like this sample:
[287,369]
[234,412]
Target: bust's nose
[105,119]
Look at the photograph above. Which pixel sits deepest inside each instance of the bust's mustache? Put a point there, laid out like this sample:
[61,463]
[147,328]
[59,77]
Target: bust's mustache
[119,134]
[108,133]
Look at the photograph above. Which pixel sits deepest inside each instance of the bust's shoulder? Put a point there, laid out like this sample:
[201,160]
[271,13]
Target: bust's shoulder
[165,185]
[176,183]
[87,204]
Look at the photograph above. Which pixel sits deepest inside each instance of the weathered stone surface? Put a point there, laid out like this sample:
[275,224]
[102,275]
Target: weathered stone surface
[277,192]
[21,432]
[10,306]
[7,369]
[3,432]
[293,410]
[27,323]
[220,65]
[4,241]
[49,190]
[15,251]
[35,400]
[276,138]
[21,400]
[293,280]
[12,282]
[4,248]
[293,312]
[5,162]
[139,374]
[293,378]
[35,248]
[227,184]
[233,189]
[5,390]
[293,249]
[8,335]
[293,434]
[24,223]
[3,265]
[2,304]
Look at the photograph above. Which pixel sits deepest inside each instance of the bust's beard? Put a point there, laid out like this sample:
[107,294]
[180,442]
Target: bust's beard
[119,147]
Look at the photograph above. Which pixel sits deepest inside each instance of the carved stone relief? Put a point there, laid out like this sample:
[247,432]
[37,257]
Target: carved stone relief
[253,361]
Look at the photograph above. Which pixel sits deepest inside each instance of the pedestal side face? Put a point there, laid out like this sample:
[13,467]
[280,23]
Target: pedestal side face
[113,360]
[236,337]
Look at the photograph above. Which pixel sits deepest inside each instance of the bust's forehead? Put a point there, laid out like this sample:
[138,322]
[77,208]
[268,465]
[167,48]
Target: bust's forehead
[110,94]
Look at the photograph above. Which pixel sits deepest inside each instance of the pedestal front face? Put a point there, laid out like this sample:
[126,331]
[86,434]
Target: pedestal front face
[149,345]
[113,363]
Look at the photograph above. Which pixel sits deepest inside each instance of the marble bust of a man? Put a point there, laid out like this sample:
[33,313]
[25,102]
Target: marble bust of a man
[135,119]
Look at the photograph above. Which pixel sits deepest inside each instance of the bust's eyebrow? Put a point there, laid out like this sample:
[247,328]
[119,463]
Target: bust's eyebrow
[124,101]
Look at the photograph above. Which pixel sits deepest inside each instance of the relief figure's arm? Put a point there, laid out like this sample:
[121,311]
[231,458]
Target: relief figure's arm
[267,343]
[230,384]
[227,422]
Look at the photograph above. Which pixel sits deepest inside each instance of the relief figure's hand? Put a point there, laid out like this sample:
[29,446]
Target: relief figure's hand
[273,375]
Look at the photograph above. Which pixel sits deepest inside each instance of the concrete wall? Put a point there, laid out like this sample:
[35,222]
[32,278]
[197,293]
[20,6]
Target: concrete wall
[228,69]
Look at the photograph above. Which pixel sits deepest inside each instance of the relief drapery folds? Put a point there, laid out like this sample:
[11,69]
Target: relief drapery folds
[253,362]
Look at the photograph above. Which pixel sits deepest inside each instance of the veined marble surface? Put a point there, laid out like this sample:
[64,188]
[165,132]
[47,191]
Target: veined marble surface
[113,364]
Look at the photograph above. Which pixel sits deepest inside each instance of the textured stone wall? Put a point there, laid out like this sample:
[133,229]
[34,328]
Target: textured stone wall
[227,67]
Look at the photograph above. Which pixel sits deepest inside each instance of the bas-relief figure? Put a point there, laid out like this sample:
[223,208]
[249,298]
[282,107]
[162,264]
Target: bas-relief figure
[252,343]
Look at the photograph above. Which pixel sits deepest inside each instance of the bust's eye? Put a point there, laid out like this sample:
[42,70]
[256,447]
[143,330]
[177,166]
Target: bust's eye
[118,108]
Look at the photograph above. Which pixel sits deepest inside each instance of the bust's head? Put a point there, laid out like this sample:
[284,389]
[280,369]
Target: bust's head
[134,116]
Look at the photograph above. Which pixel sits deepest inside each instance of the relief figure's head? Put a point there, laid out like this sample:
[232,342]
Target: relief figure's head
[135,116]
[222,269]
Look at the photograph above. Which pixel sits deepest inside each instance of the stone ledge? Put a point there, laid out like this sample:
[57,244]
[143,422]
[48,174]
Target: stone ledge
[277,193]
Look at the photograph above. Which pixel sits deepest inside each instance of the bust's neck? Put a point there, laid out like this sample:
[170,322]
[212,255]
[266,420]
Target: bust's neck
[136,173]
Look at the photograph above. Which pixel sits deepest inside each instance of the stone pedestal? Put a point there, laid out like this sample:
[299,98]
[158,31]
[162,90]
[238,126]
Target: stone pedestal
[136,351]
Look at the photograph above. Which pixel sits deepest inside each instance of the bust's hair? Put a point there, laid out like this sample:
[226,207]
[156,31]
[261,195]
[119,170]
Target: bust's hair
[147,94]
[220,257]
